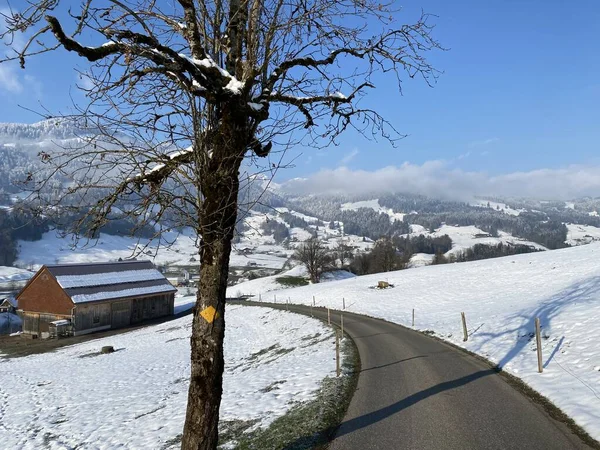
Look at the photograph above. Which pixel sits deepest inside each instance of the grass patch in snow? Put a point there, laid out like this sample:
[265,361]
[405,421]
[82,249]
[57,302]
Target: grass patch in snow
[308,425]
[291,281]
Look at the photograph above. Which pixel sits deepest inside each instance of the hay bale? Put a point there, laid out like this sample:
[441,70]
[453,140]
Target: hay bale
[383,284]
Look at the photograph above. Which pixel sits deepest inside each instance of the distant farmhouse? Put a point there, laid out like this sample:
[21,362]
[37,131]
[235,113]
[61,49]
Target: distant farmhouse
[94,297]
[8,304]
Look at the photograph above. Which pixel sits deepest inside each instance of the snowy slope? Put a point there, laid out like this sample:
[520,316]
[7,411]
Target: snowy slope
[269,284]
[501,297]
[375,206]
[135,398]
[53,249]
[420,260]
[12,274]
[468,236]
[503,207]
[581,234]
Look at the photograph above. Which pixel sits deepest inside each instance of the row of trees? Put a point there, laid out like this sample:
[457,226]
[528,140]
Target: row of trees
[386,255]
[395,254]
[18,224]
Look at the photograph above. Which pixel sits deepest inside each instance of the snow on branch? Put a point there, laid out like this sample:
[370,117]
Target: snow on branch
[206,75]
[333,99]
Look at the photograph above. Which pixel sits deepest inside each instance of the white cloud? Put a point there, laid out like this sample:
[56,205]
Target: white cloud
[438,179]
[349,157]
[9,79]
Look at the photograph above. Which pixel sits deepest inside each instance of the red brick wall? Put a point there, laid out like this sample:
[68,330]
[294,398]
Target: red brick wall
[44,295]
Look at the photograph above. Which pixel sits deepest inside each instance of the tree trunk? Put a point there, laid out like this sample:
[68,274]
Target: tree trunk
[220,185]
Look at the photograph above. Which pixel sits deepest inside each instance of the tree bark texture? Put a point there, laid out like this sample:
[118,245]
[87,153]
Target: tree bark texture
[220,185]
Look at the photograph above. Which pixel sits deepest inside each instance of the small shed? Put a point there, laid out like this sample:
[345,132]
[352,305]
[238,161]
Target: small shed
[60,328]
[8,304]
[94,296]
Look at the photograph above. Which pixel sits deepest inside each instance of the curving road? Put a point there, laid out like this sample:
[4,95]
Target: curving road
[415,392]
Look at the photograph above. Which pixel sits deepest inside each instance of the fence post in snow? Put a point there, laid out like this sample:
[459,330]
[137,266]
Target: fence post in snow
[274,298]
[538,339]
[464,324]
[314,303]
[342,324]
[259,299]
[328,317]
[343,303]
[413,321]
[337,353]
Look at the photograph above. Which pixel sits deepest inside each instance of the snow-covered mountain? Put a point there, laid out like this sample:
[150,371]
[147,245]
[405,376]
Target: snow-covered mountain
[276,219]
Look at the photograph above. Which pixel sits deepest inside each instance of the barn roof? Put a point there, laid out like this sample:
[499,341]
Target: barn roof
[90,282]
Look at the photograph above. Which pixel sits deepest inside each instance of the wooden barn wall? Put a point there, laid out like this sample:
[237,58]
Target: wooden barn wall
[151,307]
[90,316]
[37,323]
[121,313]
[43,294]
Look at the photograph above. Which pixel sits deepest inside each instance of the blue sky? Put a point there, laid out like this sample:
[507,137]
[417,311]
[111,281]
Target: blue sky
[520,91]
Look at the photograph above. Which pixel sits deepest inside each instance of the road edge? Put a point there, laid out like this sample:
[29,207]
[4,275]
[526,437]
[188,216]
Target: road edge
[529,392]
[350,369]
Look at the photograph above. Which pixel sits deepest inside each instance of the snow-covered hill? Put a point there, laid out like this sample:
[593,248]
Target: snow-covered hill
[501,298]
[13,275]
[468,236]
[274,360]
[375,206]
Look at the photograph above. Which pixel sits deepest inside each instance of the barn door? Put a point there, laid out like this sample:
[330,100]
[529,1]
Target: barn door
[121,314]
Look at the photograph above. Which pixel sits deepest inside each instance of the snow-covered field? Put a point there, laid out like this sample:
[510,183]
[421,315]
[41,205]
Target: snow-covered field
[581,234]
[55,249]
[501,297]
[268,284]
[468,236]
[12,274]
[503,207]
[136,397]
[375,206]
[420,260]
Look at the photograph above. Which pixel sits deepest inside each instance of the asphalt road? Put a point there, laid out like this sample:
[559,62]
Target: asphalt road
[415,392]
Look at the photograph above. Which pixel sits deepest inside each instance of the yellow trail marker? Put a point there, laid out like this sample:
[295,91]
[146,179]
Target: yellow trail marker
[209,314]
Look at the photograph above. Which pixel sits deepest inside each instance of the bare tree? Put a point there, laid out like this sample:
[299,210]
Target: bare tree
[183,96]
[315,257]
[343,252]
[384,257]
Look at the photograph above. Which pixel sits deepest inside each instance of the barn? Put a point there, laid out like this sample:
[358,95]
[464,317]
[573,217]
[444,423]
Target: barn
[94,296]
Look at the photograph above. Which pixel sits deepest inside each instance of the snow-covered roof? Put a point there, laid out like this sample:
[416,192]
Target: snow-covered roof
[92,282]
[133,292]
[128,276]
[9,301]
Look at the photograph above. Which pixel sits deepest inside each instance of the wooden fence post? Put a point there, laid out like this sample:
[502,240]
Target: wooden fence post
[328,317]
[259,298]
[314,303]
[343,303]
[275,298]
[464,324]
[342,324]
[337,353]
[538,339]
[413,321]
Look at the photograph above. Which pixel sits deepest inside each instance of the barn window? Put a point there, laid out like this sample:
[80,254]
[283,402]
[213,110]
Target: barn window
[96,314]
